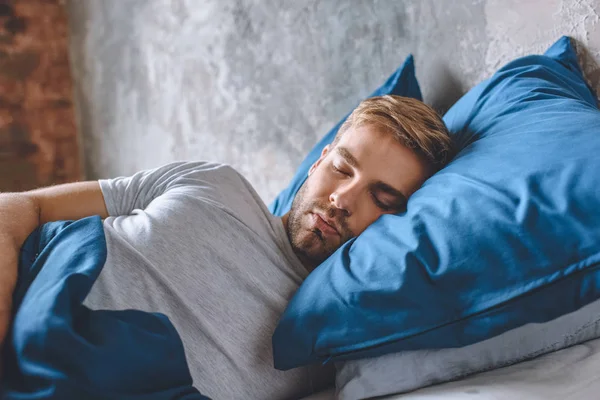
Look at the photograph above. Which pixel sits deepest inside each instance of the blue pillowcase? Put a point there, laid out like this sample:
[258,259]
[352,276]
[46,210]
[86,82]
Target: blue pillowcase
[401,83]
[505,235]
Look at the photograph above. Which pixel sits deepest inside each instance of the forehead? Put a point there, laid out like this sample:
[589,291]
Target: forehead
[380,157]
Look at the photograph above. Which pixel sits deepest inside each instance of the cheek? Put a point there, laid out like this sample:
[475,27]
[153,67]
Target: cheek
[321,183]
[366,215]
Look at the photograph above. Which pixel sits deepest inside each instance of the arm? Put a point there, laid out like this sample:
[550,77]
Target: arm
[21,213]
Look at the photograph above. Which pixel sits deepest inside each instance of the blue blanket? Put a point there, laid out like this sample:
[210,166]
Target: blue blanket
[59,349]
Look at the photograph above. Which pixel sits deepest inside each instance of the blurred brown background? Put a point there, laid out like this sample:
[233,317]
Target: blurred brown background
[38,134]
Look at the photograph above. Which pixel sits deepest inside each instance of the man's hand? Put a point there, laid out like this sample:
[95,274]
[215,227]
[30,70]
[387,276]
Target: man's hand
[8,279]
[21,213]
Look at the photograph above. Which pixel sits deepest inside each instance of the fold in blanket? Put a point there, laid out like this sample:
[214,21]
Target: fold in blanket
[59,349]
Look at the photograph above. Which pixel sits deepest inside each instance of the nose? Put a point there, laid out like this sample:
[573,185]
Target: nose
[344,198]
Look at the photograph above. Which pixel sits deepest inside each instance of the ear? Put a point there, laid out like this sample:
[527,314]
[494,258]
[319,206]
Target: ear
[316,164]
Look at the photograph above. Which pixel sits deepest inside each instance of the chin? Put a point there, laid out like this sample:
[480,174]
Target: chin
[310,245]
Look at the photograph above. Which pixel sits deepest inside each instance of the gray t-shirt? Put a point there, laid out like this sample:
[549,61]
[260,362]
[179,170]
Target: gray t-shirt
[195,241]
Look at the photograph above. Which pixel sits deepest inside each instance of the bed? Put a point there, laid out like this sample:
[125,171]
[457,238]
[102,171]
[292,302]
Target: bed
[571,373]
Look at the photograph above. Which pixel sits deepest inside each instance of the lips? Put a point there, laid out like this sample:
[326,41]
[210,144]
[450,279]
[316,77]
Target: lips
[325,226]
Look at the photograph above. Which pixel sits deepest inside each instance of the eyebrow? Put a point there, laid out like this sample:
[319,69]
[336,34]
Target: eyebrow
[379,185]
[350,159]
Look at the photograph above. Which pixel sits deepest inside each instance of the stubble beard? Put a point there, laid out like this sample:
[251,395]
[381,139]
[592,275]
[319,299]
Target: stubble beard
[302,238]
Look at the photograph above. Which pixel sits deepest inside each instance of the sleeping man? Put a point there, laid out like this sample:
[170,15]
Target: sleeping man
[194,241]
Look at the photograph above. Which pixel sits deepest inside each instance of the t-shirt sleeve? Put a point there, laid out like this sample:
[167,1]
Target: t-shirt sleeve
[122,195]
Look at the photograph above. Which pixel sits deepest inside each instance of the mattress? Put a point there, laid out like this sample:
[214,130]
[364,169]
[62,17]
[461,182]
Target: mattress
[572,373]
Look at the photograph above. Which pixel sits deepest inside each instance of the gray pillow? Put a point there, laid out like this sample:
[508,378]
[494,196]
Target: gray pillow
[410,370]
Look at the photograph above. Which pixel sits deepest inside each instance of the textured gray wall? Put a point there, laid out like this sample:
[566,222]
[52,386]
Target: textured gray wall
[255,83]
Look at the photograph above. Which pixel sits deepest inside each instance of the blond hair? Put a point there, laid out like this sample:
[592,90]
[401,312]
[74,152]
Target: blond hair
[413,123]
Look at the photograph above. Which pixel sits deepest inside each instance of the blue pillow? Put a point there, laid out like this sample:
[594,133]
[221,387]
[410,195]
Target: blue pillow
[401,83]
[507,234]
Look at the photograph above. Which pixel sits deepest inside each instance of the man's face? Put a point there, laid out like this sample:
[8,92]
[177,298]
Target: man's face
[367,174]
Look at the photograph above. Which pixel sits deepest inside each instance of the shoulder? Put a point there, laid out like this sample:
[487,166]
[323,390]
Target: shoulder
[219,178]
[195,173]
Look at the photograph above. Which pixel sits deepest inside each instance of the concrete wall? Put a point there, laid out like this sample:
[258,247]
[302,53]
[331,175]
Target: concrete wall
[255,83]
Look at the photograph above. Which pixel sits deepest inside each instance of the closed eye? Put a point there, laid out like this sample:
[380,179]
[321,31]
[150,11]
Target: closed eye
[397,204]
[339,171]
[387,198]
[382,206]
